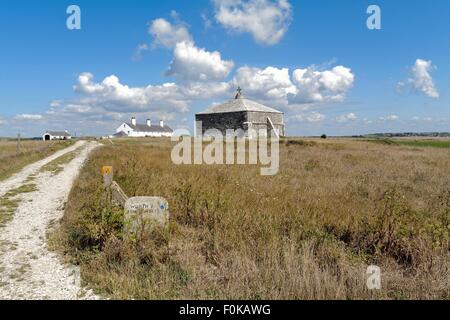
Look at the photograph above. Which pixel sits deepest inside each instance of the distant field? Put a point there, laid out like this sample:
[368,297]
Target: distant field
[12,159]
[422,143]
[309,232]
[425,143]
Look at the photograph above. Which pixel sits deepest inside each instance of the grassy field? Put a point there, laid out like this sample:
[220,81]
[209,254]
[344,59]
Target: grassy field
[12,159]
[431,143]
[309,232]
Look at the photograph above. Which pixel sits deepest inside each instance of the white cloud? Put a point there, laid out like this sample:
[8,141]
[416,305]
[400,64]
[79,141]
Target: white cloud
[55,103]
[115,96]
[207,90]
[168,35]
[30,117]
[302,91]
[421,80]
[313,116]
[139,50]
[322,86]
[346,117]
[86,85]
[100,103]
[266,20]
[202,73]
[189,62]
[193,64]
[427,119]
[266,84]
[391,117]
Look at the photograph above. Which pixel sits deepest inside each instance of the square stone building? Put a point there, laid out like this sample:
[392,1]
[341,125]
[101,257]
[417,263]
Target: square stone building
[240,113]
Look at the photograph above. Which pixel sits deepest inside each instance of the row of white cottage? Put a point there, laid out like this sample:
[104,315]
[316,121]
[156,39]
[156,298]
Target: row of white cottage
[135,130]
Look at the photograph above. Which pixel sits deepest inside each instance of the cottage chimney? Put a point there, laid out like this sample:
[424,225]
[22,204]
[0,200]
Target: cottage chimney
[161,123]
[133,121]
[149,123]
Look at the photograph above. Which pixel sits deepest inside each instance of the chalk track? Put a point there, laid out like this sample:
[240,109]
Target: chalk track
[28,270]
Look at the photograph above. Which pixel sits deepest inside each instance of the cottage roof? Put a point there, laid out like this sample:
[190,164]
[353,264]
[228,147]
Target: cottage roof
[58,133]
[120,134]
[239,104]
[152,128]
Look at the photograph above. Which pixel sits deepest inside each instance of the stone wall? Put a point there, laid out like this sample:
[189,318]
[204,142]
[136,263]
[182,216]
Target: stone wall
[259,121]
[222,121]
[238,120]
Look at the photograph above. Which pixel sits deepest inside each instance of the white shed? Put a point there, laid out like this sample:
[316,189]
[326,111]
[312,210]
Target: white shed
[56,135]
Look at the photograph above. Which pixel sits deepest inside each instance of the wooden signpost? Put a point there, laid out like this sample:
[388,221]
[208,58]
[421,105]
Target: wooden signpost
[108,175]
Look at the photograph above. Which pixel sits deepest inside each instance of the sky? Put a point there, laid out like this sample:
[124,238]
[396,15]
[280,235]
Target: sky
[317,61]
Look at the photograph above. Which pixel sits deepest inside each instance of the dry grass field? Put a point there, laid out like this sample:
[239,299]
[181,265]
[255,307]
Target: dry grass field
[335,207]
[12,159]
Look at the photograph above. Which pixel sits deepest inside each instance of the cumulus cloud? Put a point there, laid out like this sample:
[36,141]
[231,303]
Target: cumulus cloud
[312,116]
[267,84]
[30,117]
[421,80]
[192,63]
[207,90]
[167,35]
[189,63]
[110,100]
[113,95]
[322,86]
[305,87]
[299,93]
[346,117]
[266,20]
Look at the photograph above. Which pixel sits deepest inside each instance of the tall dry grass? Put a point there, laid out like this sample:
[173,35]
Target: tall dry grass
[13,159]
[307,233]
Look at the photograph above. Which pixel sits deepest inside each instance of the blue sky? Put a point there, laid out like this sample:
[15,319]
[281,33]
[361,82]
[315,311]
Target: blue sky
[315,60]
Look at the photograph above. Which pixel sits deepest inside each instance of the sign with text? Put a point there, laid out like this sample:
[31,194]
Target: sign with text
[142,211]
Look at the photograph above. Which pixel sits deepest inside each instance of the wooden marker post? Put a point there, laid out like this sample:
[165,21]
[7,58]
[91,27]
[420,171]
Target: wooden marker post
[108,175]
[18,143]
[114,191]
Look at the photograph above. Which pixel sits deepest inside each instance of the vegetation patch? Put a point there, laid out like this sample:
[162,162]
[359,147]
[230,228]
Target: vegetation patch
[425,143]
[9,202]
[307,233]
[436,143]
[57,165]
[298,142]
[13,159]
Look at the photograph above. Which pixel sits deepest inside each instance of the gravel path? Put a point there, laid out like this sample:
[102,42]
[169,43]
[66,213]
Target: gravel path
[28,270]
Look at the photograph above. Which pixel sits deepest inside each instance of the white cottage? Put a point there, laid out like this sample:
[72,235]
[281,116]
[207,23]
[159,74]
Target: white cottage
[135,130]
[56,135]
